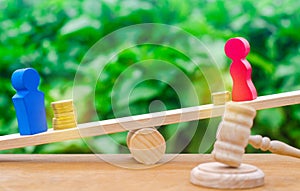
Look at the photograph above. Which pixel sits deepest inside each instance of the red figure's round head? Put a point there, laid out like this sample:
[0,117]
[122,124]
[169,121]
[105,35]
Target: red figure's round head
[237,48]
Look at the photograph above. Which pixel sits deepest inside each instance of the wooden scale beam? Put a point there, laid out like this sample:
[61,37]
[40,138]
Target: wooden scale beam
[141,121]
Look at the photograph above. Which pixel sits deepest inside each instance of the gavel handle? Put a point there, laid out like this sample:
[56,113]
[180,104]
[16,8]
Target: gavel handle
[277,147]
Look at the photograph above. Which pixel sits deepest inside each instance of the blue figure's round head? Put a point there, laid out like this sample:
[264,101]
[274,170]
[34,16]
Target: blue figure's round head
[25,79]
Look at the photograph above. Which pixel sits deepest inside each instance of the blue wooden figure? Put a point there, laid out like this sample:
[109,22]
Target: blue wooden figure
[29,102]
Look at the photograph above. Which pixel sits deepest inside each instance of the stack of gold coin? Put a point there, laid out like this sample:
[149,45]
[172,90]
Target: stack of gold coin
[64,115]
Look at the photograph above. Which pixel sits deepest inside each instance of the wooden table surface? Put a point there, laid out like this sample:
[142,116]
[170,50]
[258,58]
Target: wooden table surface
[89,172]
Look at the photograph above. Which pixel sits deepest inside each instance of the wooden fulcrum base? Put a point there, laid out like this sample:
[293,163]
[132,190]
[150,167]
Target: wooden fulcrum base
[218,175]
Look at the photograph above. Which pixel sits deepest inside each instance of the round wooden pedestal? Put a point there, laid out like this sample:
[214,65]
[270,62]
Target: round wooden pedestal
[218,175]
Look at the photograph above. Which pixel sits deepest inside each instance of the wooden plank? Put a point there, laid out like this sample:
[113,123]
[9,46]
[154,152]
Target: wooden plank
[142,121]
[89,172]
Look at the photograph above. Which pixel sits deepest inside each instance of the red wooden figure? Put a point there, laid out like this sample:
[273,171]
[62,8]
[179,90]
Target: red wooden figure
[240,69]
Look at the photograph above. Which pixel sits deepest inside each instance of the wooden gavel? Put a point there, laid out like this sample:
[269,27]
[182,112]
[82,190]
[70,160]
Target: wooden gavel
[234,135]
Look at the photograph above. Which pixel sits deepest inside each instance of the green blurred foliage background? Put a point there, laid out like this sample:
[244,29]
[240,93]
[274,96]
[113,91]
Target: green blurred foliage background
[53,37]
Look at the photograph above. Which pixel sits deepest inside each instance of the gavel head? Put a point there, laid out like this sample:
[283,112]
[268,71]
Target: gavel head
[233,134]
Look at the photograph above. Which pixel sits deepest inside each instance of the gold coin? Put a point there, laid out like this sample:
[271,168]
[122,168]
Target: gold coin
[63,111]
[66,126]
[62,119]
[64,122]
[63,102]
[61,122]
[65,118]
[65,115]
[63,107]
